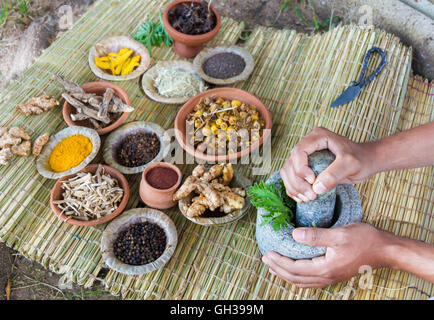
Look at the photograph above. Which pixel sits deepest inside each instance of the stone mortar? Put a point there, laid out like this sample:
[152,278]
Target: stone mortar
[348,210]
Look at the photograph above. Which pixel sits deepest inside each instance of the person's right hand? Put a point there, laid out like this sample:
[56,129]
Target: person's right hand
[354,163]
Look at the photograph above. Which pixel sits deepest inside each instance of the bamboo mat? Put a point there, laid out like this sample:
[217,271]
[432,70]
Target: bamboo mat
[296,76]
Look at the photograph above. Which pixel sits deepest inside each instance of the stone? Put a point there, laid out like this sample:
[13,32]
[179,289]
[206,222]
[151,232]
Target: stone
[318,212]
[348,209]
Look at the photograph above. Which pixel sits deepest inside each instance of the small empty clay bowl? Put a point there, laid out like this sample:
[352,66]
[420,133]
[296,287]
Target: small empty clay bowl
[207,53]
[215,218]
[150,75]
[121,223]
[57,191]
[98,88]
[112,142]
[225,93]
[186,45]
[42,162]
[159,196]
[114,44]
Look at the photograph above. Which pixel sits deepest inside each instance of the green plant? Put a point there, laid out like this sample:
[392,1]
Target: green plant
[22,6]
[325,25]
[273,199]
[4,14]
[153,34]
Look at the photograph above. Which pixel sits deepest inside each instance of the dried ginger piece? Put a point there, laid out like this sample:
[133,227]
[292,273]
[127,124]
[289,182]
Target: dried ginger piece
[22,149]
[13,141]
[37,105]
[19,132]
[7,140]
[5,156]
[39,143]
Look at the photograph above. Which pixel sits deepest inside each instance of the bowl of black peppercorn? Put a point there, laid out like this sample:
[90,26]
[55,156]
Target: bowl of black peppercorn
[140,241]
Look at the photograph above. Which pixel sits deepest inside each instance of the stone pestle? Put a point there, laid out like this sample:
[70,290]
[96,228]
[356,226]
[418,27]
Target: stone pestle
[319,212]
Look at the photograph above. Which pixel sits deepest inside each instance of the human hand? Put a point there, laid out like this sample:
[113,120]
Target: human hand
[354,163]
[348,248]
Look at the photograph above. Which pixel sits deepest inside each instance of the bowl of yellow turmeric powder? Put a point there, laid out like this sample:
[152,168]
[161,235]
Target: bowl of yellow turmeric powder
[68,151]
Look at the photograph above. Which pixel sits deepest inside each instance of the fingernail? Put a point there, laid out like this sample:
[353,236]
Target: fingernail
[265,259]
[302,197]
[311,195]
[319,188]
[299,234]
[297,199]
[310,179]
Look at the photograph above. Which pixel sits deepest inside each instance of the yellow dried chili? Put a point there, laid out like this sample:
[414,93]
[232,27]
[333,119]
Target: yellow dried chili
[70,152]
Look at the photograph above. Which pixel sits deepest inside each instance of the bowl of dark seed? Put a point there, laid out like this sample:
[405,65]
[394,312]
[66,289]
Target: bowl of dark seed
[135,145]
[140,241]
[224,65]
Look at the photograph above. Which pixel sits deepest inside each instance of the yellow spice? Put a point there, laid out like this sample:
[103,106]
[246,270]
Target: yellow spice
[70,152]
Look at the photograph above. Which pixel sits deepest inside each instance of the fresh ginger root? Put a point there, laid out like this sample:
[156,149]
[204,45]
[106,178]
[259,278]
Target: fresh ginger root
[213,191]
[37,105]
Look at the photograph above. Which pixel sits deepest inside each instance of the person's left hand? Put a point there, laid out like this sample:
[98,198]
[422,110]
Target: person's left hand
[348,248]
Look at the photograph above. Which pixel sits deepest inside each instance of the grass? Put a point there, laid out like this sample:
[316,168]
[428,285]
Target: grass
[19,7]
[324,26]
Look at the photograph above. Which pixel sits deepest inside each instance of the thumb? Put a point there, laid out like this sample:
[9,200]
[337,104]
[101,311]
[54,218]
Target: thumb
[314,236]
[331,177]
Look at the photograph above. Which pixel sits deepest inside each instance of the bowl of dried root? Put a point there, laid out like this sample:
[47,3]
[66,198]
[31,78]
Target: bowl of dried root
[213,195]
[93,196]
[100,105]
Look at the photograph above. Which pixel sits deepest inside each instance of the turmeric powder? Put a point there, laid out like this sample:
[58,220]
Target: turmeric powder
[70,152]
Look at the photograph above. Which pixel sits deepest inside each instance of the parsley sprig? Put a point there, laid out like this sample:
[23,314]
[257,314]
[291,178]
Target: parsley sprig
[153,34]
[273,199]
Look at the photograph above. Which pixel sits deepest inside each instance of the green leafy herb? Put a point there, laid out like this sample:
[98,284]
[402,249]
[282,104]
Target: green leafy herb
[153,34]
[273,199]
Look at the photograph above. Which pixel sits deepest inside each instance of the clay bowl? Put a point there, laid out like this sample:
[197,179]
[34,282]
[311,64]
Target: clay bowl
[114,44]
[225,93]
[98,88]
[56,194]
[185,45]
[159,198]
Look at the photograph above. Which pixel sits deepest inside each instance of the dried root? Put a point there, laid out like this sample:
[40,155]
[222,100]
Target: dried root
[40,142]
[37,105]
[99,110]
[13,141]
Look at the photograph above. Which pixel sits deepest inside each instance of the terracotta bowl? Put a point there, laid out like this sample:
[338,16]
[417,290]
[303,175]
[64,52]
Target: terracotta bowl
[186,45]
[225,93]
[98,88]
[157,198]
[56,194]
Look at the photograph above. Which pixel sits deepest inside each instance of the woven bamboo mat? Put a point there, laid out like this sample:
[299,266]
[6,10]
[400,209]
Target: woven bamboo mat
[297,76]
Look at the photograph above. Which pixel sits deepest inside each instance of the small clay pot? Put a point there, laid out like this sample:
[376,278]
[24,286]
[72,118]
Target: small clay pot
[225,93]
[98,88]
[56,194]
[159,198]
[186,45]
